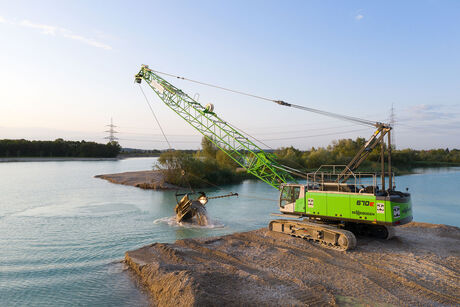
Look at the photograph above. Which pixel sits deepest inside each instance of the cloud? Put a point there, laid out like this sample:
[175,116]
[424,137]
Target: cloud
[45,29]
[428,124]
[433,118]
[58,31]
[85,40]
[359,15]
[432,112]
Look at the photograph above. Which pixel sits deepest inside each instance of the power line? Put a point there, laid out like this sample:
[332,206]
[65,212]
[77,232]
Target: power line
[259,140]
[156,134]
[158,141]
[299,130]
[265,132]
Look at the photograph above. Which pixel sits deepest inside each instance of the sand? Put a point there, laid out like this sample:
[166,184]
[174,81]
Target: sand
[153,179]
[419,267]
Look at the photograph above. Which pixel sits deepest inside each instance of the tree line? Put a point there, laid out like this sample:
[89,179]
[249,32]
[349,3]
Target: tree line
[210,165]
[342,151]
[58,148]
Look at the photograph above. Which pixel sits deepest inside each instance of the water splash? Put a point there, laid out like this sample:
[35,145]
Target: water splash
[171,221]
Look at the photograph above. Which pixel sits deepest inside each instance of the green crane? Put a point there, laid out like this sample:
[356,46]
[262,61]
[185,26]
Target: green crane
[335,202]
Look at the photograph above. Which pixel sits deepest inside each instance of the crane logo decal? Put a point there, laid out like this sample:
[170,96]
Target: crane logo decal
[310,203]
[380,208]
[364,203]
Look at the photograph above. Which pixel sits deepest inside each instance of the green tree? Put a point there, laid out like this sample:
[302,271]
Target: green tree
[209,150]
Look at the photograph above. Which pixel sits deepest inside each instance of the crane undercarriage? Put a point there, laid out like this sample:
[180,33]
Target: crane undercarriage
[330,235]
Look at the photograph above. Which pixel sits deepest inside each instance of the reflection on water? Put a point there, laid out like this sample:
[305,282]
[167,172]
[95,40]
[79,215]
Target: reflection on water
[430,170]
[63,232]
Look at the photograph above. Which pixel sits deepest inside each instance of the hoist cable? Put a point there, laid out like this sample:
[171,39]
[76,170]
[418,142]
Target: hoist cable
[330,114]
[212,85]
[316,135]
[280,102]
[153,113]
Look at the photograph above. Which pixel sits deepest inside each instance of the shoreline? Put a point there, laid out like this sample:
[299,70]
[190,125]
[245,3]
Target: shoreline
[149,180]
[420,266]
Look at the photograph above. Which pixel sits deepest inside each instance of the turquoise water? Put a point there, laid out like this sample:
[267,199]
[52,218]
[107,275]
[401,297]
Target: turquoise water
[434,194]
[63,232]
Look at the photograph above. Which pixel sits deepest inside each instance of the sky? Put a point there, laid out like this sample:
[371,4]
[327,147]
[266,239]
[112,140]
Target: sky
[67,68]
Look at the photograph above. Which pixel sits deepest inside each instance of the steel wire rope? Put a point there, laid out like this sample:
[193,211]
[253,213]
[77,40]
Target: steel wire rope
[280,102]
[164,135]
[309,129]
[205,181]
[212,85]
[153,113]
[219,188]
[238,92]
[256,197]
[316,135]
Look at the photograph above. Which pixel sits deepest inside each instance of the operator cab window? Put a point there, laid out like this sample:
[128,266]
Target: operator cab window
[289,195]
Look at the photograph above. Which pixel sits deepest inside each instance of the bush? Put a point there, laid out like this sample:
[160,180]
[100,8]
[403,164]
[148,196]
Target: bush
[184,169]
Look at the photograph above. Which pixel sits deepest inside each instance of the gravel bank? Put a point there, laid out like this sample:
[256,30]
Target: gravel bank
[142,179]
[420,266]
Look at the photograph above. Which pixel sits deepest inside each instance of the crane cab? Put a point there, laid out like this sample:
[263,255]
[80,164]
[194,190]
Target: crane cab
[292,198]
[360,199]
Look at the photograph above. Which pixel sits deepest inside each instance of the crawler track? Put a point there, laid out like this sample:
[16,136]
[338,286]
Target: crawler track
[325,235]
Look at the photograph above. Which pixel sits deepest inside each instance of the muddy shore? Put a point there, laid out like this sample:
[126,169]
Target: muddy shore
[419,267]
[153,179]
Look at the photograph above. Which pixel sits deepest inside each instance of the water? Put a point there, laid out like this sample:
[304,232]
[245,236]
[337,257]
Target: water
[434,194]
[63,232]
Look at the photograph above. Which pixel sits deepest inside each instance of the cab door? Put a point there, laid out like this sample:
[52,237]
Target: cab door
[289,199]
